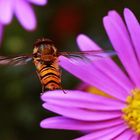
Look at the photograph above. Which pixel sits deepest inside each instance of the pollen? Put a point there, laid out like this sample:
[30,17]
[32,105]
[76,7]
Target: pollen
[131,113]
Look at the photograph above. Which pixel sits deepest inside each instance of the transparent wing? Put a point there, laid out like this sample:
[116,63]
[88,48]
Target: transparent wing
[89,56]
[16,60]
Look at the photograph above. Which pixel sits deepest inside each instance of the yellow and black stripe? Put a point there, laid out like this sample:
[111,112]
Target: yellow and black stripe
[50,78]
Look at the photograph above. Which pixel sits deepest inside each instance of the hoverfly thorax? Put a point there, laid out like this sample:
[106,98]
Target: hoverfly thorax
[44,50]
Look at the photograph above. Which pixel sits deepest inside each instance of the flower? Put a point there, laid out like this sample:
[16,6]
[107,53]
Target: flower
[116,116]
[22,10]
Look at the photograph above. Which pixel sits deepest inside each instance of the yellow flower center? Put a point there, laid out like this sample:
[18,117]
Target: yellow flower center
[132,111]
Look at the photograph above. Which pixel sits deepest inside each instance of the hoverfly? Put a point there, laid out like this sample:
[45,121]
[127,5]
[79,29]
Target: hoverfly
[45,58]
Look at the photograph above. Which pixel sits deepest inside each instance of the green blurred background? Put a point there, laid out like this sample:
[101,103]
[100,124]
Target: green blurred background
[61,21]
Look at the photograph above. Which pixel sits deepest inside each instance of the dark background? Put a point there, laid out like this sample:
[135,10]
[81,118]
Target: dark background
[61,21]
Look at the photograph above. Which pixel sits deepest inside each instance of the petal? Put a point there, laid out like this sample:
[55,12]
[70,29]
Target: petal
[25,14]
[81,100]
[135,137]
[39,2]
[82,114]
[106,66]
[6,11]
[123,47]
[72,124]
[120,22]
[91,75]
[134,29]
[105,134]
[125,135]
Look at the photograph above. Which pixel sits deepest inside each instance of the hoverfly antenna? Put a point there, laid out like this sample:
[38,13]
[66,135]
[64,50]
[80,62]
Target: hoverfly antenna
[43,40]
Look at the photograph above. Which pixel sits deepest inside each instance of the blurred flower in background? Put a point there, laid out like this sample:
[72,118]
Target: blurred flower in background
[23,11]
[68,20]
[115,114]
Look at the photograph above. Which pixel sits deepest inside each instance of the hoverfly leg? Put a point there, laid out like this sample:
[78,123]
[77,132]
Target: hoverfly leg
[63,90]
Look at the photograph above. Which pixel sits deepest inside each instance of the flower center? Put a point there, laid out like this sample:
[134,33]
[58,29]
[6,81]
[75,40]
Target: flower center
[132,111]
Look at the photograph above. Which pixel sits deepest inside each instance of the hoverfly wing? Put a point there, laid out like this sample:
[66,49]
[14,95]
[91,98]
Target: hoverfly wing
[16,60]
[88,56]
[98,54]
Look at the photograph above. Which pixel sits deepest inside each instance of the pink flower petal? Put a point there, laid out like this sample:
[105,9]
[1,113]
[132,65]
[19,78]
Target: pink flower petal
[39,2]
[72,124]
[134,29]
[127,134]
[106,66]
[123,47]
[6,11]
[25,14]
[104,134]
[92,76]
[135,137]
[114,15]
[82,114]
[79,99]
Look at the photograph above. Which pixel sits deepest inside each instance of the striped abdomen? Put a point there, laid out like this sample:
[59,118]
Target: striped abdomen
[50,77]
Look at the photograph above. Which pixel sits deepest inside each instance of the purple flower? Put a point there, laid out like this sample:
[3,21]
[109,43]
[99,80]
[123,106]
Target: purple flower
[23,11]
[114,117]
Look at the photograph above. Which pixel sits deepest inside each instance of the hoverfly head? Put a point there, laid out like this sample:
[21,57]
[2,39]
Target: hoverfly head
[44,47]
